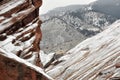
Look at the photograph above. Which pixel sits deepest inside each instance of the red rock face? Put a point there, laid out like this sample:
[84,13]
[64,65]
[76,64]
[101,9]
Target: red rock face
[12,70]
[20,34]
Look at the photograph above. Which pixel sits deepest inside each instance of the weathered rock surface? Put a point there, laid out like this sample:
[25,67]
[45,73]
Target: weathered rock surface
[96,58]
[20,34]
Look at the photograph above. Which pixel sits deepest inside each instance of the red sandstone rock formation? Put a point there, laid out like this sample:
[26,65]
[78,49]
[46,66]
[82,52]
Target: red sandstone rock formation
[20,34]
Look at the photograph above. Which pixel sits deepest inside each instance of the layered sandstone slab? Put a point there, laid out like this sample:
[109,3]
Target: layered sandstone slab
[20,27]
[97,58]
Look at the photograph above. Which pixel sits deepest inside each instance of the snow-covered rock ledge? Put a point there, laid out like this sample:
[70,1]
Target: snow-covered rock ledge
[96,58]
[11,61]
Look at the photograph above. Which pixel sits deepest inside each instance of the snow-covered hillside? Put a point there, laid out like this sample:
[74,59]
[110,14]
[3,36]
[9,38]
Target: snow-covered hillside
[96,58]
[63,28]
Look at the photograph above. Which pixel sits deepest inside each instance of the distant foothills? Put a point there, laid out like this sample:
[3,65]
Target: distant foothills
[65,27]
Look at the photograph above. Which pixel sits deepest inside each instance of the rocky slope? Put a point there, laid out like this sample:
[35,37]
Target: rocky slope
[96,58]
[65,27]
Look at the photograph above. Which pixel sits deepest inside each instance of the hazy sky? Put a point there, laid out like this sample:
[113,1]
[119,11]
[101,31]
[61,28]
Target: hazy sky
[51,4]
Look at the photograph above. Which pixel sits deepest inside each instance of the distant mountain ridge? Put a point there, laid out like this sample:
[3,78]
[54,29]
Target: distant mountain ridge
[65,27]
